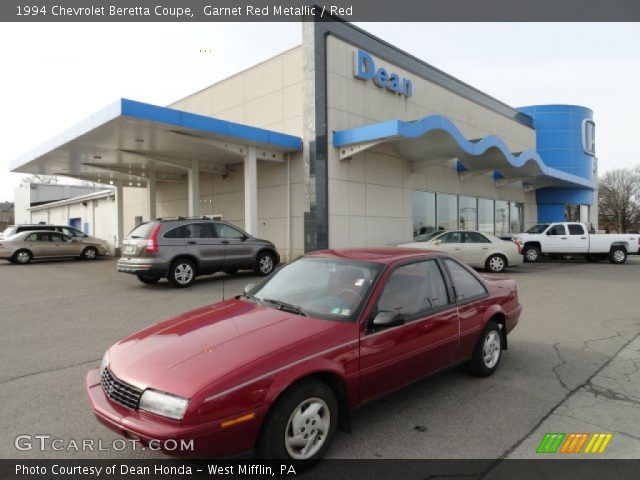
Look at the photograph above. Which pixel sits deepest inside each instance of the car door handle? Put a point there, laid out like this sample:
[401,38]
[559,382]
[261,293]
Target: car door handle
[583,238]
[225,241]
[563,238]
[456,249]
[192,242]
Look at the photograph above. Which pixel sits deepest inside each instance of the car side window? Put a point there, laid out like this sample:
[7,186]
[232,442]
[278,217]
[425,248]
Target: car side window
[576,229]
[414,290]
[58,237]
[475,237]
[228,232]
[451,237]
[466,285]
[203,230]
[32,238]
[179,232]
[72,232]
[557,230]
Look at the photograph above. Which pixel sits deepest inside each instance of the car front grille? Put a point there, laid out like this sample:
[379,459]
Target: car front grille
[119,391]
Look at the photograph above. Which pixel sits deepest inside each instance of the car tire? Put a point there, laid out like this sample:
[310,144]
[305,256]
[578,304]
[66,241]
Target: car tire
[265,263]
[487,351]
[22,257]
[182,273]
[618,255]
[287,434]
[531,253]
[89,253]
[230,271]
[148,279]
[496,263]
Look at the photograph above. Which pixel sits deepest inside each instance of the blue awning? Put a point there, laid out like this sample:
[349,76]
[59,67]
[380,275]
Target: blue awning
[436,137]
[126,139]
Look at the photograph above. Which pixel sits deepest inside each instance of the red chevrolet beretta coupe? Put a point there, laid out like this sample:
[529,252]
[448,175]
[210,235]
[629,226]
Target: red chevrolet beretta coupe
[278,368]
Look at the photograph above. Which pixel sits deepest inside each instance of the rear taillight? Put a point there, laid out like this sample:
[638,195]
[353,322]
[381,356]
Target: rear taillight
[152,241]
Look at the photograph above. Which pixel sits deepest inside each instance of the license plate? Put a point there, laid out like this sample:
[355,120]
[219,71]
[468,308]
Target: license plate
[129,249]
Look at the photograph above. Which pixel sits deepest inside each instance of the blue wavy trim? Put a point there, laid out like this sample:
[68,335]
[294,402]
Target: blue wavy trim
[394,130]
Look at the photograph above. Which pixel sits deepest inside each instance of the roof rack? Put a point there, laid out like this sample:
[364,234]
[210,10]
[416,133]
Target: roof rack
[195,217]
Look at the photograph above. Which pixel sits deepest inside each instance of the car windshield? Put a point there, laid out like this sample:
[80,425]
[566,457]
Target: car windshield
[7,232]
[325,288]
[538,228]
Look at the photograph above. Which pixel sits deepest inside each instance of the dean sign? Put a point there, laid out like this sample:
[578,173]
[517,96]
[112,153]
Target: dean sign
[364,68]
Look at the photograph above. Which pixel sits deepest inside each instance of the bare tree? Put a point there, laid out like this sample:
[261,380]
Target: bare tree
[36,178]
[619,197]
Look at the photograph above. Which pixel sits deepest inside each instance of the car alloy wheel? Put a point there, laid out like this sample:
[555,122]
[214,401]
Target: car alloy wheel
[491,349]
[90,254]
[265,264]
[496,263]
[183,273]
[23,257]
[307,428]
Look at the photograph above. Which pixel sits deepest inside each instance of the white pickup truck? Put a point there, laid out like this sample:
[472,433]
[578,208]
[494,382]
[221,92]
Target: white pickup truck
[574,239]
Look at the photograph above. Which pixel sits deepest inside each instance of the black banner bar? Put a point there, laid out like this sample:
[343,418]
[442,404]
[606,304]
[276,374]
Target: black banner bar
[294,10]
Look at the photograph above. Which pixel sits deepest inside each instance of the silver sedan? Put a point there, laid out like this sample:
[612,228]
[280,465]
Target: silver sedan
[25,246]
[477,249]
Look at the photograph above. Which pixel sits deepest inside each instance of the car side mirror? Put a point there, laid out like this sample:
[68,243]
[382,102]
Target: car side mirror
[387,319]
[248,287]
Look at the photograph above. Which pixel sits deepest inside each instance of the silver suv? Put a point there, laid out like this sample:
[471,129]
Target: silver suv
[180,249]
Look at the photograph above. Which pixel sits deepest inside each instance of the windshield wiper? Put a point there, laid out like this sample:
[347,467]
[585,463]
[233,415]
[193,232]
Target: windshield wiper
[248,296]
[287,307]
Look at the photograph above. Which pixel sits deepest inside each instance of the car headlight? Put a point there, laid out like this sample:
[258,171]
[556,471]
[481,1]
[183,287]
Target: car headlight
[105,362]
[163,404]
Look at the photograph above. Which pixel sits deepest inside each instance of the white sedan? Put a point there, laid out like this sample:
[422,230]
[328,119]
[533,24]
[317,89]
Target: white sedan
[480,250]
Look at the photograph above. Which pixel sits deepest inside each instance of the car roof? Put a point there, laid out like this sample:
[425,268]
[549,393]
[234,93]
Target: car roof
[384,255]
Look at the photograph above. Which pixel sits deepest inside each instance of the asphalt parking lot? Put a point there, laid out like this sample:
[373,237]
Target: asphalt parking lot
[57,319]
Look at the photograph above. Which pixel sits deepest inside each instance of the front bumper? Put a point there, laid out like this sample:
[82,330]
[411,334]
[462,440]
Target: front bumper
[209,439]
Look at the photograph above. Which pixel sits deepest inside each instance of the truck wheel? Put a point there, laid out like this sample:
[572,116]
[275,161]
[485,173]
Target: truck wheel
[531,253]
[618,255]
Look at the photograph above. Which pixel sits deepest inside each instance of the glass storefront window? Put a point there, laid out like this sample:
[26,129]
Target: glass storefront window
[485,215]
[447,215]
[424,213]
[502,217]
[468,212]
[516,224]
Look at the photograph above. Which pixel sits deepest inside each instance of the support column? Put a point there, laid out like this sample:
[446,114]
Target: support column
[251,192]
[151,195]
[194,189]
[119,218]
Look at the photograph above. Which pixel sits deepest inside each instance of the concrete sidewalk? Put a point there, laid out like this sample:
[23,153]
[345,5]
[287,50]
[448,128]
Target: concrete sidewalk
[608,402]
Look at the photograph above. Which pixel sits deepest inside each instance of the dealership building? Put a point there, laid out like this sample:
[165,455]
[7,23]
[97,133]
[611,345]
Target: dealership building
[342,141]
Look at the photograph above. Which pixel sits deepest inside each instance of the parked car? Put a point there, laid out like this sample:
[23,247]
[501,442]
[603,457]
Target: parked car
[64,229]
[183,248]
[26,246]
[572,239]
[477,249]
[278,368]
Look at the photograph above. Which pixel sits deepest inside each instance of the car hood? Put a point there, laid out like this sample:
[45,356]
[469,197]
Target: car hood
[192,351]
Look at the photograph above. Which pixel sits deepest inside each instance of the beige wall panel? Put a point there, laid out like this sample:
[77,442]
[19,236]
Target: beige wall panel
[383,201]
[265,110]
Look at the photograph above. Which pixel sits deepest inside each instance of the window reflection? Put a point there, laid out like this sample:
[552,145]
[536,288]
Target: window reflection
[502,217]
[447,217]
[468,213]
[485,215]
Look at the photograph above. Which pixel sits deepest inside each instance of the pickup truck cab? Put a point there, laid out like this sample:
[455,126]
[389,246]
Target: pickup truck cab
[572,238]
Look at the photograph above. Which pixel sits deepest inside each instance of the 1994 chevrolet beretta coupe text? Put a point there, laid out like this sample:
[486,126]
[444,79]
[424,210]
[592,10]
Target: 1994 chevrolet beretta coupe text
[278,369]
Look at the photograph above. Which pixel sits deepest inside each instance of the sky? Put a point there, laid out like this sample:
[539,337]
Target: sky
[56,74]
